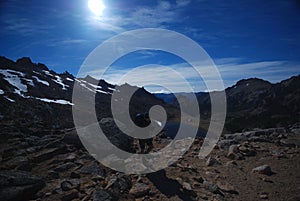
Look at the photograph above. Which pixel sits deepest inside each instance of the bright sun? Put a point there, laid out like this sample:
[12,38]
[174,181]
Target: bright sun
[96,6]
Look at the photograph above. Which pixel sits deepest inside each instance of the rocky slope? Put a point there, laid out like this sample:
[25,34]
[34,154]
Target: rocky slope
[33,96]
[253,103]
[53,165]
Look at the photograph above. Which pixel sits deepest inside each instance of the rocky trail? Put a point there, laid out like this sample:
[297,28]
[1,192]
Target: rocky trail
[262,164]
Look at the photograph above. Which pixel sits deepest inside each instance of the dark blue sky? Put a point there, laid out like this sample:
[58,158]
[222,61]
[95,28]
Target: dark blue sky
[249,38]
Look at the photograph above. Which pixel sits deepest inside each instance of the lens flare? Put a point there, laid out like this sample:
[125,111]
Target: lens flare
[96,6]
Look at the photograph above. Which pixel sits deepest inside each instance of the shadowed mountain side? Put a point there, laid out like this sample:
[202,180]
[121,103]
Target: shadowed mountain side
[31,95]
[252,103]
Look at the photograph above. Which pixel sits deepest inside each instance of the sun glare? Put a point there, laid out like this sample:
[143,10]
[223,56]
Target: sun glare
[96,6]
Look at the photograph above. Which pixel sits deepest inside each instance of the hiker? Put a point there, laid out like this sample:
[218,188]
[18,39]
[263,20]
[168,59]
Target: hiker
[143,120]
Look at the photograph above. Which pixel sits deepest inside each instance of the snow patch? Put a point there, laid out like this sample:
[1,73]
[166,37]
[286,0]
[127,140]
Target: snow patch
[30,82]
[84,85]
[95,86]
[37,73]
[13,79]
[48,73]
[103,92]
[158,123]
[1,92]
[58,79]
[60,82]
[69,79]
[62,102]
[92,87]
[11,100]
[41,81]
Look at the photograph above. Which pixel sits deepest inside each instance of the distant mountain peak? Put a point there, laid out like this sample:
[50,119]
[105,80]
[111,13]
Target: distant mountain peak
[24,60]
[24,64]
[293,82]
[91,79]
[32,92]
[252,80]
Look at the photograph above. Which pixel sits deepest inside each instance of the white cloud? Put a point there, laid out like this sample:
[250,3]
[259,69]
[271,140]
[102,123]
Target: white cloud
[161,76]
[65,42]
[25,26]
[74,41]
[161,91]
[182,3]
[159,15]
[231,70]
[273,71]
[152,17]
[106,23]
[156,16]
[164,5]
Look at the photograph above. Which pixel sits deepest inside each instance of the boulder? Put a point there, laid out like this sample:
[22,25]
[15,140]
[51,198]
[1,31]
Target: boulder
[226,143]
[233,152]
[296,131]
[94,169]
[65,166]
[263,169]
[291,142]
[70,195]
[118,184]
[48,154]
[17,185]
[101,195]
[226,187]
[186,186]
[139,190]
[70,184]
[211,187]
[246,151]
[212,161]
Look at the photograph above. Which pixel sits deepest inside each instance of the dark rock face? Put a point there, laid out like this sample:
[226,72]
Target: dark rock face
[257,103]
[139,190]
[19,185]
[33,92]
[27,100]
[72,138]
[70,184]
[252,103]
[101,195]
[93,169]
[47,154]
[118,185]
[113,133]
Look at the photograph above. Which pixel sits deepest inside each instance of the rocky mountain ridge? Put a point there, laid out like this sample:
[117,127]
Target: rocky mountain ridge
[40,92]
[31,94]
[253,103]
